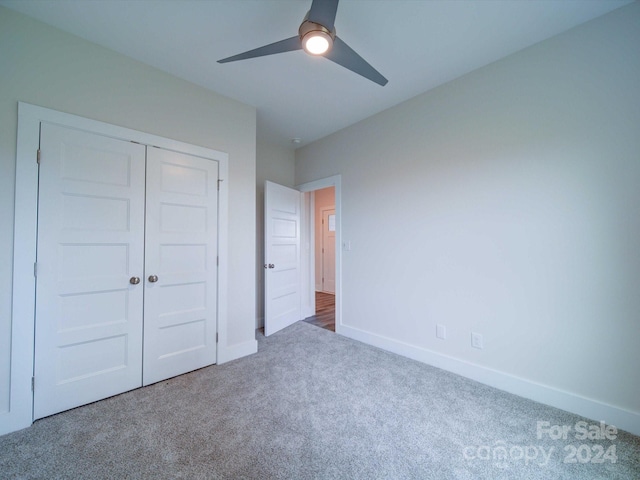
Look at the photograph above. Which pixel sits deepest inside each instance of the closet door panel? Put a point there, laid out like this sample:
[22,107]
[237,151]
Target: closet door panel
[88,339]
[180,264]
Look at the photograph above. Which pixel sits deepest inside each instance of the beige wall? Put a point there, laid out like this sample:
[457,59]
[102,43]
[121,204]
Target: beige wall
[46,67]
[506,203]
[275,164]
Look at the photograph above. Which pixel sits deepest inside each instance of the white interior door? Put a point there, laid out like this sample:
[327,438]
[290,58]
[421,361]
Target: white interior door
[180,306]
[329,251]
[88,333]
[282,257]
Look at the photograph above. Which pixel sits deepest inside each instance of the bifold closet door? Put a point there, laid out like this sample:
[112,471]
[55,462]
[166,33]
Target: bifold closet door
[89,300]
[180,305]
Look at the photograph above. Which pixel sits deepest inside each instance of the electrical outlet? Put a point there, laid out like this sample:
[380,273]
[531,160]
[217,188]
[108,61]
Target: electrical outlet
[476,340]
[441,331]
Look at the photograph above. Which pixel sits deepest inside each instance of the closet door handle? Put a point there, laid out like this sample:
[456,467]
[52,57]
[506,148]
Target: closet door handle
[134,280]
[153,278]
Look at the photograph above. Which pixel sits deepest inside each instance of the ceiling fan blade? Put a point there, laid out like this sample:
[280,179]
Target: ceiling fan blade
[323,12]
[282,46]
[344,55]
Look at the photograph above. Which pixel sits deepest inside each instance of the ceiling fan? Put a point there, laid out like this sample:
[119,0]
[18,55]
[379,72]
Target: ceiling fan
[317,37]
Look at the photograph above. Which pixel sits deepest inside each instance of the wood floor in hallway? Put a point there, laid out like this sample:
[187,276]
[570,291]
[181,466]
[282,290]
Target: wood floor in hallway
[325,316]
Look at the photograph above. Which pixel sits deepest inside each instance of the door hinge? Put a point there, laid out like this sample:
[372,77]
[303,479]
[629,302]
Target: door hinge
[35,269]
[33,384]
[38,157]
[218,261]
[216,337]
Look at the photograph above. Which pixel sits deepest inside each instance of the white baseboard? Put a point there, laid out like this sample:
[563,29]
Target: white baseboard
[239,350]
[592,409]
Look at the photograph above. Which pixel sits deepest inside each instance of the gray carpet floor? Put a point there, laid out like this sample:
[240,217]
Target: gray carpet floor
[314,405]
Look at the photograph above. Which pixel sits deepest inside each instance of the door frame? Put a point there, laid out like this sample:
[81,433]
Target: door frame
[308,242]
[30,117]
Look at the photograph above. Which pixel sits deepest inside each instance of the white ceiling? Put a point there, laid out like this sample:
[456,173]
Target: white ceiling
[416,44]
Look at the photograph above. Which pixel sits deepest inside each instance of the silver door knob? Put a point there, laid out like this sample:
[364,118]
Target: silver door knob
[153,278]
[134,280]
[271,265]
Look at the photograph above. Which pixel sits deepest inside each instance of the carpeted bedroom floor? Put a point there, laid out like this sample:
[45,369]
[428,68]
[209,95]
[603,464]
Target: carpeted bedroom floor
[315,405]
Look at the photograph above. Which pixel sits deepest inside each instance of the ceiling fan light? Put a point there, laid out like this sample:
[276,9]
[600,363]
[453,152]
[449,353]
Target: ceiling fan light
[316,44]
[315,38]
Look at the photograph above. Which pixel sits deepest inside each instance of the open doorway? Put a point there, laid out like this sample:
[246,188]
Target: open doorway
[325,226]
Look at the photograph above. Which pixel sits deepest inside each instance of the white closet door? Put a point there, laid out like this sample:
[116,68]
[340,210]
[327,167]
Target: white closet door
[88,336]
[180,264]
